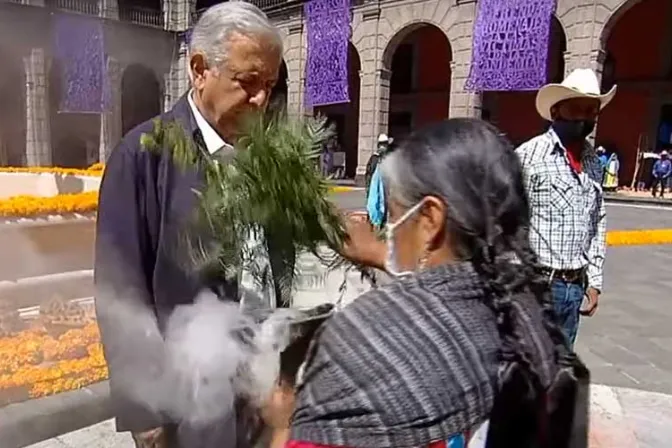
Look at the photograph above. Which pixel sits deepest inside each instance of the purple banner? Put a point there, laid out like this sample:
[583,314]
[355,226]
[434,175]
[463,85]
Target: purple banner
[328,23]
[80,51]
[510,47]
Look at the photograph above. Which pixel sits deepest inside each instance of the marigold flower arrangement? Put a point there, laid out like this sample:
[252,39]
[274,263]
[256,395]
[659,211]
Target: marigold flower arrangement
[36,363]
[30,206]
[94,170]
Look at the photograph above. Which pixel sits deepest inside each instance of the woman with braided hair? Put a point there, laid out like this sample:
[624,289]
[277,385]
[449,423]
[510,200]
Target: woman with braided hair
[463,335]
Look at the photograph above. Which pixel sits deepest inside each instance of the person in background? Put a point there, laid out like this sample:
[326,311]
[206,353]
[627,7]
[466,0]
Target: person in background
[610,182]
[603,157]
[661,173]
[327,158]
[382,147]
[563,177]
[147,200]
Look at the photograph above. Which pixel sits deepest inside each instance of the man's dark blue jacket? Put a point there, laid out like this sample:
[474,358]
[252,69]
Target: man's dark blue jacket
[144,212]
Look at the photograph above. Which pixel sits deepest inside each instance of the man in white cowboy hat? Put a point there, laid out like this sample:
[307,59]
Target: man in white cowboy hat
[563,179]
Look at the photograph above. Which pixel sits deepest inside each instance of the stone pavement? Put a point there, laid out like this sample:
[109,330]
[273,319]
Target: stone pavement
[619,418]
[628,343]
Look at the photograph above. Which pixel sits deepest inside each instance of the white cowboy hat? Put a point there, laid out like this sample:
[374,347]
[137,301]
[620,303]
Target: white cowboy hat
[382,138]
[581,83]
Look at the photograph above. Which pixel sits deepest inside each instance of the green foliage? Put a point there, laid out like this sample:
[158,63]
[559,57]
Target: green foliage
[270,187]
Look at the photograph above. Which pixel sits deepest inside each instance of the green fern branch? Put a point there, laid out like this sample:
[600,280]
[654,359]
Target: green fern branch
[271,188]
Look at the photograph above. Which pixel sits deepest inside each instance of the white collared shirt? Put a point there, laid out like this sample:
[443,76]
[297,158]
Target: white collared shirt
[251,294]
[213,142]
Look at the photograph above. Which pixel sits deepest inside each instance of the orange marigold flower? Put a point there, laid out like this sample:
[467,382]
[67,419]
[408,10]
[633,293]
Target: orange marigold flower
[28,206]
[43,365]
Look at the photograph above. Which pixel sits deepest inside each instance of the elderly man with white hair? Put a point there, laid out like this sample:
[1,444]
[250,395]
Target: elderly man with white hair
[146,202]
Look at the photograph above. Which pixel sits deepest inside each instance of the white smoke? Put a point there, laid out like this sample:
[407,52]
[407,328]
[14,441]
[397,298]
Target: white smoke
[210,353]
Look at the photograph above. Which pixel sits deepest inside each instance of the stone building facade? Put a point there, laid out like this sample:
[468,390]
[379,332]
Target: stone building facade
[140,46]
[380,26]
[380,29]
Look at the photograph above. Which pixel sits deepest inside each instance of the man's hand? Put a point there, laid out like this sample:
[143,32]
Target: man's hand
[363,245]
[592,296]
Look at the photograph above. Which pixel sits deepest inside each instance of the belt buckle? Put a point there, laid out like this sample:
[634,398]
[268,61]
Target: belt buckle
[573,275]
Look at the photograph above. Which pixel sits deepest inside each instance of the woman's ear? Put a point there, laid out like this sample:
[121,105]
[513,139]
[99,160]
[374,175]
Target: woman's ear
[433,221]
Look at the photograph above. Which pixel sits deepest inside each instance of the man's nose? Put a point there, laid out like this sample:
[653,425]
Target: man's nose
[260,98]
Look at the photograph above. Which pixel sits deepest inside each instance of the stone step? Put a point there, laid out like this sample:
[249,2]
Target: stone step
[34,249]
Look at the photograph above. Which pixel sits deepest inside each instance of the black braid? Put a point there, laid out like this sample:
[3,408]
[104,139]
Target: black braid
[502,282]
[539,286]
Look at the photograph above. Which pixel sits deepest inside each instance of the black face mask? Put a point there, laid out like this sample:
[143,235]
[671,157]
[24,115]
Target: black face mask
[573,131]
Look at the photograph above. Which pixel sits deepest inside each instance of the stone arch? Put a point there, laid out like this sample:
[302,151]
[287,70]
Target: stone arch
[278,98]
[418,59]
[603,14]
[345,116]
[404,33]
[619,9]
[140,96]
[374,31]
[12,109]
[640,116]
[515,112]
[396,22]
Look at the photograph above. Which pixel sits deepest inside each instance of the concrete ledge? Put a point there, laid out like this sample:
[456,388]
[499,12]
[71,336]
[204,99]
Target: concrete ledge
[32,291]
[45,184]
[40,419]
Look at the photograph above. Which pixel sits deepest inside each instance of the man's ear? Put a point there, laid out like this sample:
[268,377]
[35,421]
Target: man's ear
[197,68]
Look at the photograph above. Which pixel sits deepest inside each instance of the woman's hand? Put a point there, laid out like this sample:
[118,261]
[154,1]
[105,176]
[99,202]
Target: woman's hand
[363,246]
[278,410]
[154,438]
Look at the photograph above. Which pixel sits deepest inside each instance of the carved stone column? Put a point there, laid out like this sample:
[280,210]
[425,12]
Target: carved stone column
[295,59]
[462,102]
[38,133]
[178,14]
[374,110]
[109,9]
[176,81]
[110,119]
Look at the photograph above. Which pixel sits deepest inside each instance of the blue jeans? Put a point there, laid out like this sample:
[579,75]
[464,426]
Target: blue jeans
[567,299]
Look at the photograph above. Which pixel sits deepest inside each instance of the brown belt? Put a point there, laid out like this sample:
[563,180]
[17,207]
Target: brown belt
[566,275]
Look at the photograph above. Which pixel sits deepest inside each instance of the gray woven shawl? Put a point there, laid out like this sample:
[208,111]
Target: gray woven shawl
[410,363]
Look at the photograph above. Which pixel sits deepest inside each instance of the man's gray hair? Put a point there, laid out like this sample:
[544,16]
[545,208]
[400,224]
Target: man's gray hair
[213,29]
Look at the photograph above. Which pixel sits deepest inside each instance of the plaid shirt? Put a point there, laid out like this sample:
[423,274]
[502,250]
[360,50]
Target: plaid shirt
[568,215]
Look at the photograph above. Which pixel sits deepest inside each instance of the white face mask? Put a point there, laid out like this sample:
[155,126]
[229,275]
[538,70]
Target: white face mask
[391,261]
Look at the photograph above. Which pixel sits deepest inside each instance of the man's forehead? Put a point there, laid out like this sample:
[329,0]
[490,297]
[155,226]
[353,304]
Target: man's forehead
[253,54]
[579,103]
